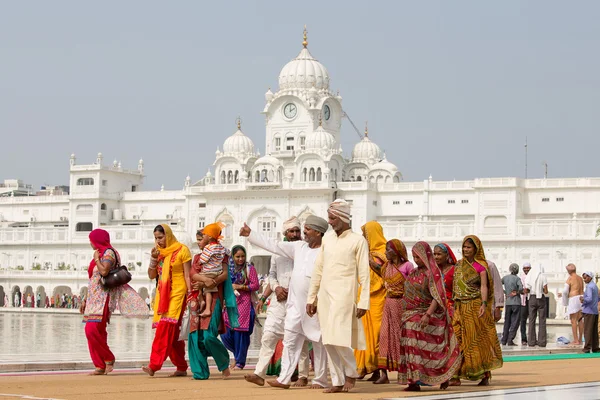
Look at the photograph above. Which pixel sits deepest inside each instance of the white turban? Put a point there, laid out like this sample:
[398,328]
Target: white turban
[341,209]
[589,273]
[293,222]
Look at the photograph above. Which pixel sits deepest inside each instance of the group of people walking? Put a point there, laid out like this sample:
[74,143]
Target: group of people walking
[357,300]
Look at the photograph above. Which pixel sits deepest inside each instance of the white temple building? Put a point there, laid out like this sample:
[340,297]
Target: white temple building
[44,243]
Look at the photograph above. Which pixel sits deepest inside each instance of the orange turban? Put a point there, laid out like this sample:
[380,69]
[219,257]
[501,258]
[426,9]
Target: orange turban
[214,230]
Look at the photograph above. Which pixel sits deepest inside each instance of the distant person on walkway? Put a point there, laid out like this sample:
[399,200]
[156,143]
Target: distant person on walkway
[28,300]
[5,300]
[524,305]
[101,302]
[589,301]
[571,293]
[170,264]
[536,287]
[244,281]
[17,299]
[498,304]
[148,302]
[38,300]
[512,290]
[47,301]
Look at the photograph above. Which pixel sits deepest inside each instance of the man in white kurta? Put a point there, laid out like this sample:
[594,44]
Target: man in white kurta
[273,330]
[342,265]
[299,327]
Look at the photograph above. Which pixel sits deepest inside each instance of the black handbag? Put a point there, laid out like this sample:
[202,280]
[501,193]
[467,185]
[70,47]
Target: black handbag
[117,276]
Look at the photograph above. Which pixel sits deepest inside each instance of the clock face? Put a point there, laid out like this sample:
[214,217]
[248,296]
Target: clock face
[290,110]
[326,112]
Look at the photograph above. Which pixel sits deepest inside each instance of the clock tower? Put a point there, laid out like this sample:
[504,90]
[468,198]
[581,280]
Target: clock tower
[293,113]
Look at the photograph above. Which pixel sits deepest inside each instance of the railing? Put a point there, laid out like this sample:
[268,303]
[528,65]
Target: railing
[35,199]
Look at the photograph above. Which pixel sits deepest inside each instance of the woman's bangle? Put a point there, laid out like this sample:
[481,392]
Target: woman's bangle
[263,298]
[484,302]
[151,267]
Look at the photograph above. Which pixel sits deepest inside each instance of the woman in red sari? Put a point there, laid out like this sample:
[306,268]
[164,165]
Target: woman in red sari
[430,353]
[445,260]
[393,273]
[100,302]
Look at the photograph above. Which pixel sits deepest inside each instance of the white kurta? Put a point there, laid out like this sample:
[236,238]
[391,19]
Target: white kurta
[342,265]
[303,258]
[279,275]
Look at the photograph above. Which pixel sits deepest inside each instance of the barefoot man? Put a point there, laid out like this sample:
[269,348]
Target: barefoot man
[341,266]
[298,326]
[570,295]
[273,331]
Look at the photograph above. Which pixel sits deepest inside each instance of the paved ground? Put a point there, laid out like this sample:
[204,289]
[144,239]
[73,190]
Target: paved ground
[131,385]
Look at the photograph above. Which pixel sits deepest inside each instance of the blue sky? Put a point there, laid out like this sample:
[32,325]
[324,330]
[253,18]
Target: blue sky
[449,89]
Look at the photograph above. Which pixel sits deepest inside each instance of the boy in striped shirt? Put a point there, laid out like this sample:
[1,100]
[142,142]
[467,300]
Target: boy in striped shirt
[211,263]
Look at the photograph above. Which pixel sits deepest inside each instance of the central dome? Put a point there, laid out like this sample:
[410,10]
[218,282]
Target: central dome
[304,72]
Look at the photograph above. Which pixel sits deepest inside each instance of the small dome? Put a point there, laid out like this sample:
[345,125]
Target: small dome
[269,95]
[238,143]
[268,160]
[386,166]
[365,150]
[320,139]
[304,72]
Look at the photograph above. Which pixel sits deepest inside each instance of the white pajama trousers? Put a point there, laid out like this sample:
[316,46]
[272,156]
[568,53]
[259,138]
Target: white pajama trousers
[342,364]
[293,343]
[268,343]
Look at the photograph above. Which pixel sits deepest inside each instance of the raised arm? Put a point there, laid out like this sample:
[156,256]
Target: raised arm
[284,249]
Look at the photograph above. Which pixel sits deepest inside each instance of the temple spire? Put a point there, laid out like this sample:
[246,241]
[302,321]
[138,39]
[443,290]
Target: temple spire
[305,42]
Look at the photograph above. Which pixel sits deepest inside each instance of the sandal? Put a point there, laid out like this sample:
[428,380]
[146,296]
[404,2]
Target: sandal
[98,371]
[110,365]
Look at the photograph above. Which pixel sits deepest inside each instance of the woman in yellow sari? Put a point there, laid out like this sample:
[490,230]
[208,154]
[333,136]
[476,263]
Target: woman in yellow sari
[473,320]
[170,265]
[367,360]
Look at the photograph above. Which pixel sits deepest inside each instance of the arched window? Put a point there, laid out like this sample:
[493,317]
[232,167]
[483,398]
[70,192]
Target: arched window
[263,175]
[84,227]
[230,177]
[103,207]
[379,179]
[249,176]
[359,178]
[352,178]
[311,175]
[396,179]
[279,176]
[388,179]
[277,142]
[319,174]
[271,176]
[236,178]
[257,177]
[222,177]
[304,175]
[85,182]
[335,176]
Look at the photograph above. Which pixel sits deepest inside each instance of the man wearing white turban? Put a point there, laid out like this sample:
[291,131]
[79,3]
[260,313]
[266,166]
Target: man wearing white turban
[299,327]
[342,264]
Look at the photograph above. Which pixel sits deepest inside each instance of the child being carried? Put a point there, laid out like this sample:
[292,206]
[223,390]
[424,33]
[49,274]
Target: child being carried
[211,263]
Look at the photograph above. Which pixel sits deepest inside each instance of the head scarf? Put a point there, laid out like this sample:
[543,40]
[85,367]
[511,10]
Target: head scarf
[239,275]
[166,254]
[293,222]
[589,273]
[373,232]
[514,268]
[316,223]
[100,239]
[399,248]
[341,209]
[446,249]
[214,230]
[423,251]
[480,258]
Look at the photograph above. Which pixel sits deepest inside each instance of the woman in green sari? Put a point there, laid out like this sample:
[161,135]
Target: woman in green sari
[203,339]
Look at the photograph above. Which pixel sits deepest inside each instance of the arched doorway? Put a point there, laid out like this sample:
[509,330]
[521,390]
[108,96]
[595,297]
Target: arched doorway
[61,296]
[15,296]
[41,301]
[3,302]
[28,297]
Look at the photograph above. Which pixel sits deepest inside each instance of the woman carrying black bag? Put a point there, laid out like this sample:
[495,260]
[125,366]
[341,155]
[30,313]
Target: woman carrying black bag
[101,302]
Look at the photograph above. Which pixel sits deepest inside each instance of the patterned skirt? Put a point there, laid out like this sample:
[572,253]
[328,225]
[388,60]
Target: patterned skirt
[389,342]
[429,355]
[477,339]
